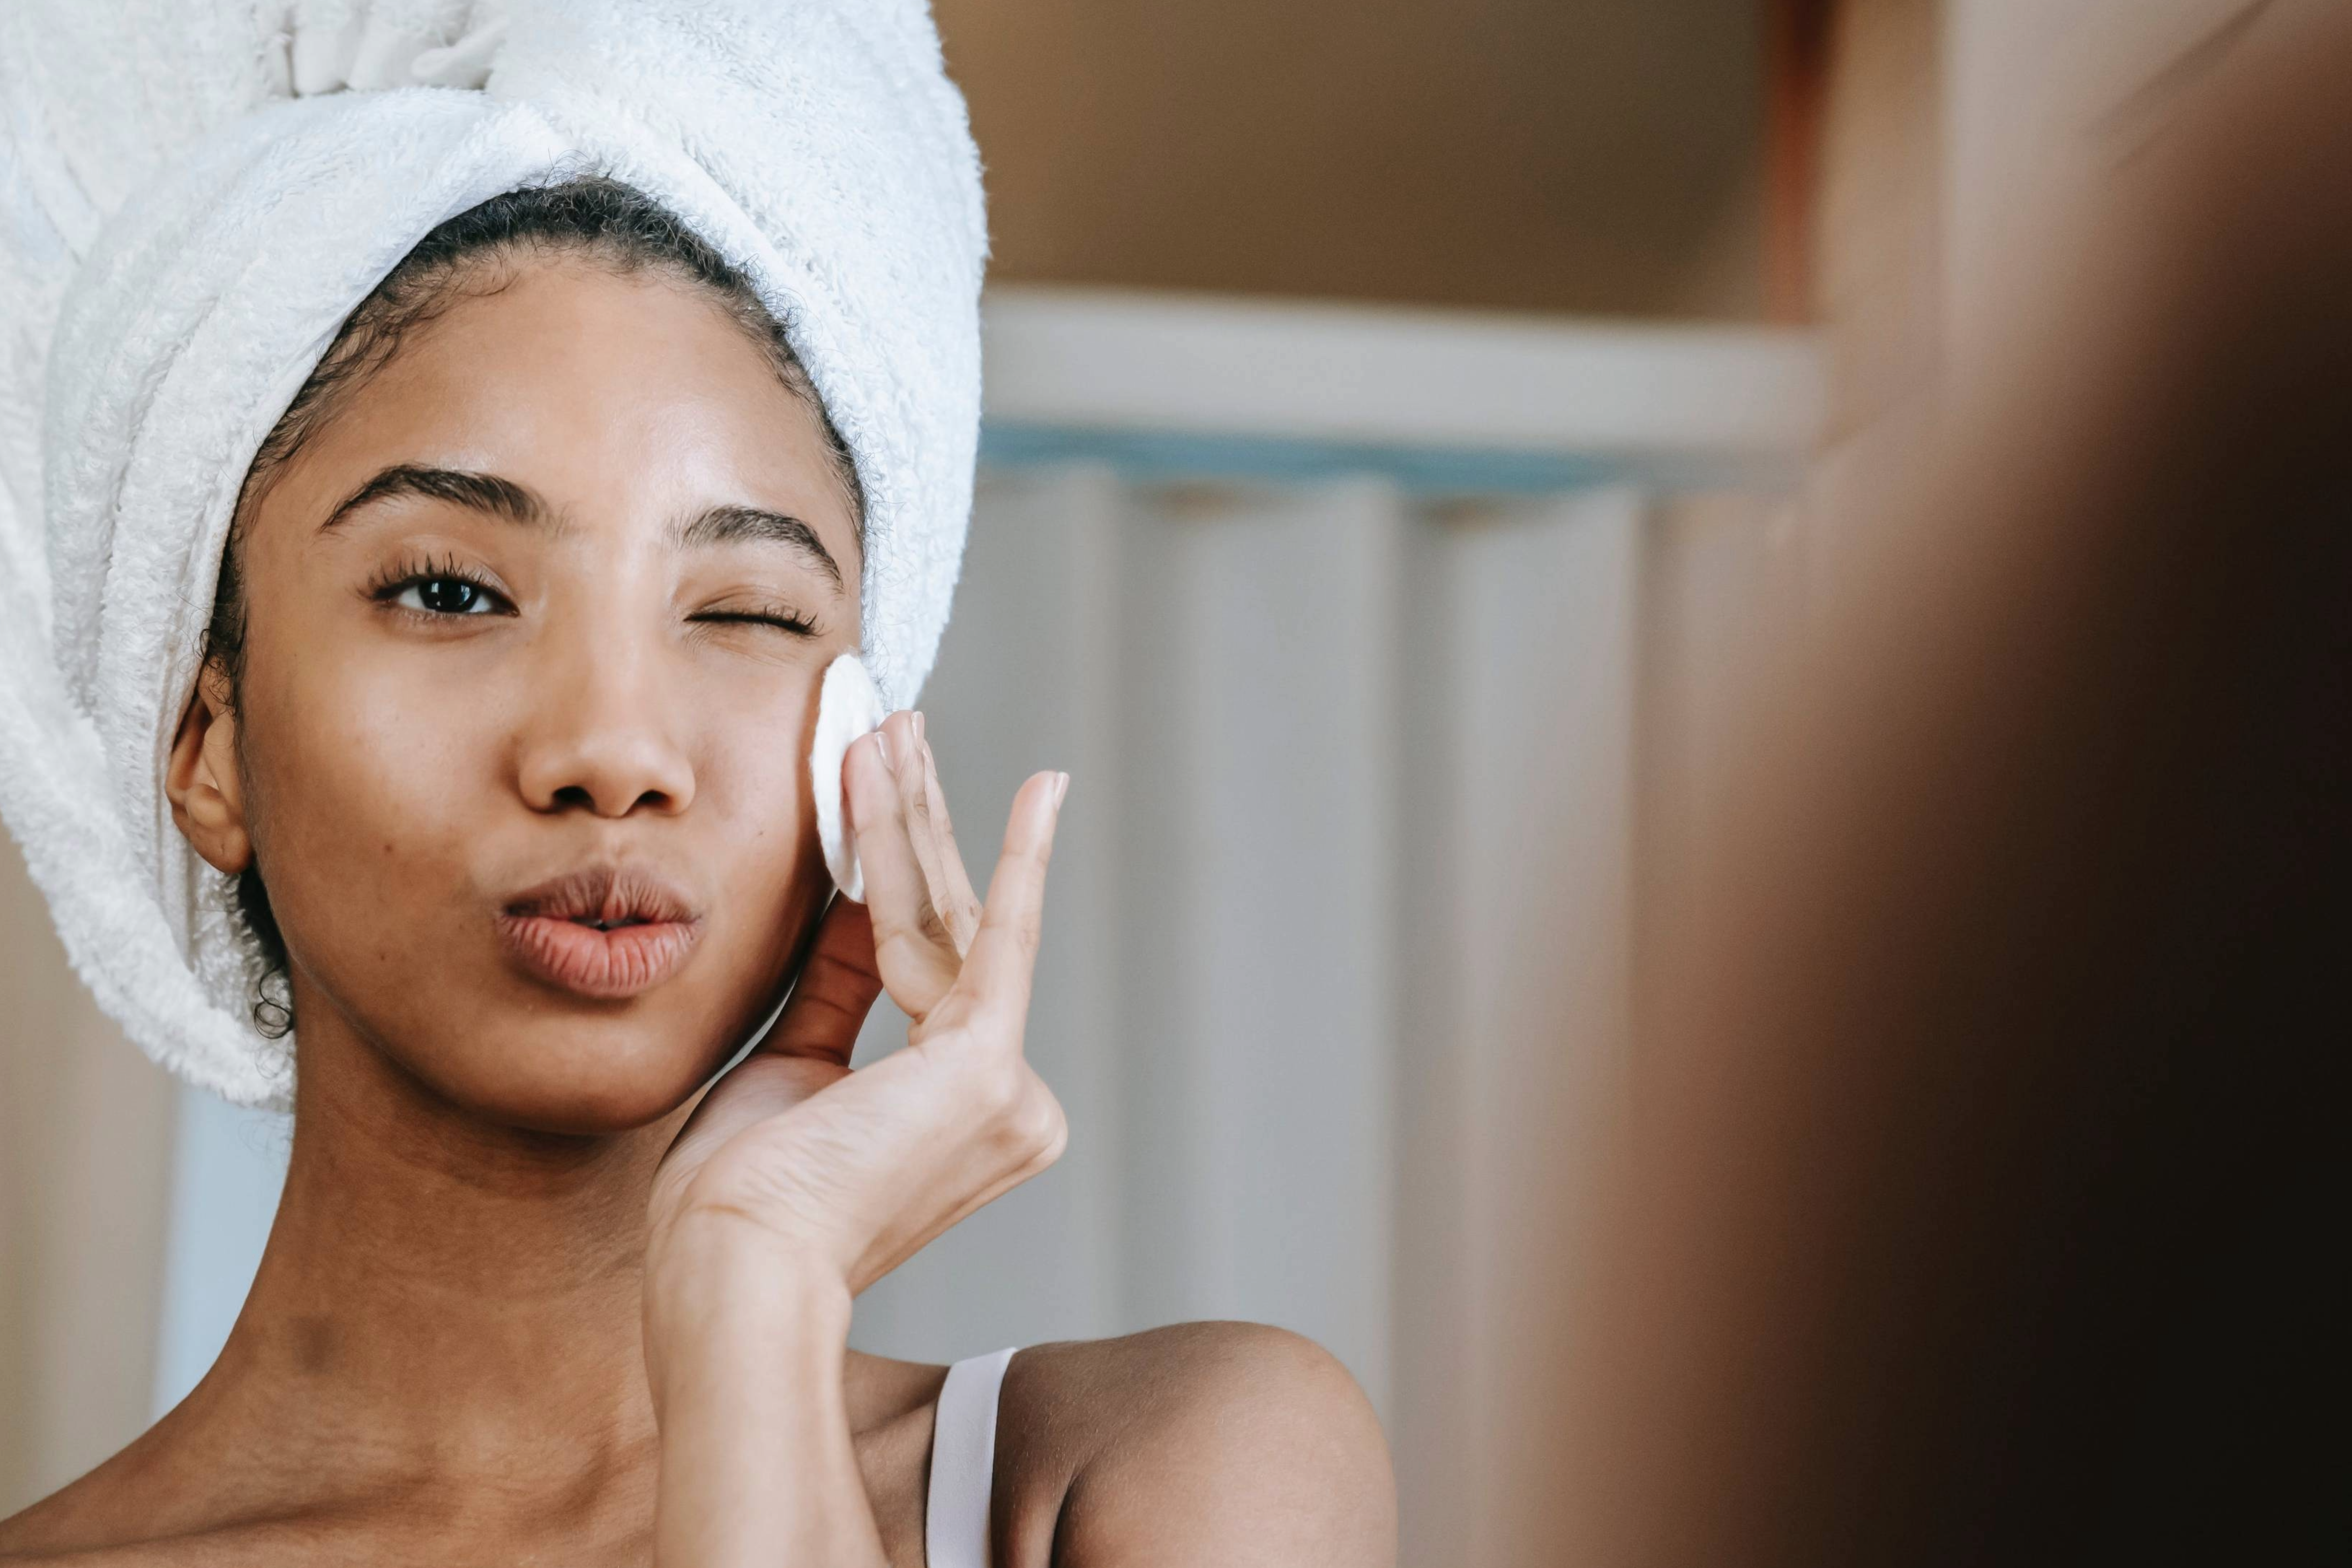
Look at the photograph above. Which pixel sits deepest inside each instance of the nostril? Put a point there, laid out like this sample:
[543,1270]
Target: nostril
[582,797]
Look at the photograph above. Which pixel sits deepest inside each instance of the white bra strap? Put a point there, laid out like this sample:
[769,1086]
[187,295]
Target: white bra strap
[963,1463]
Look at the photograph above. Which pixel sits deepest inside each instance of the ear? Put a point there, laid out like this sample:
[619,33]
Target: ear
[207,796]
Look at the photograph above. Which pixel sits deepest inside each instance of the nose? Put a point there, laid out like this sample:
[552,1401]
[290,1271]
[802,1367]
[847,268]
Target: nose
[602,737]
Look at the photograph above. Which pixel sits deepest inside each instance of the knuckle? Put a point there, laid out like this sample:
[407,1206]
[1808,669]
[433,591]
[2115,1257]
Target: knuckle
[995,1092]
[934,928]
[1037,1124]
[1057,1132]
[1028,934]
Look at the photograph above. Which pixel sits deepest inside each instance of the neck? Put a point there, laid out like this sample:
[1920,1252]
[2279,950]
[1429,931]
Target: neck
[466,1296]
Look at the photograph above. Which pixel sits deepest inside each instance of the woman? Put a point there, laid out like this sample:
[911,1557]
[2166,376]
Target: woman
[497,735]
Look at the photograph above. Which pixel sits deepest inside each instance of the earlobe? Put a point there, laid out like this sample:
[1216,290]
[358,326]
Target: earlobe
[206,795]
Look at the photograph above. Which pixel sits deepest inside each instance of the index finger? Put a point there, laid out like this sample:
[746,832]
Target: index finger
[996,971]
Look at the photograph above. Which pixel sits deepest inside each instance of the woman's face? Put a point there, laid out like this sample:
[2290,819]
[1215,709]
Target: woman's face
[535,628]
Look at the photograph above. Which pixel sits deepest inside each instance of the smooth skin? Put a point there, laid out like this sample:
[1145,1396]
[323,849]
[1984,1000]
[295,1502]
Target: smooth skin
[532,1294]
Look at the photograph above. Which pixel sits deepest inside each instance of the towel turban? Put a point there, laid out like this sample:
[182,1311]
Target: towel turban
[193,196]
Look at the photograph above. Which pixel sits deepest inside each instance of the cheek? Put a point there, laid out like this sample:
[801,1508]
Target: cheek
[752,793]
[367,785]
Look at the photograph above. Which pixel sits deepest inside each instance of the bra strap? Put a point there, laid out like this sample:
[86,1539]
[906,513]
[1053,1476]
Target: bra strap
[963,1463]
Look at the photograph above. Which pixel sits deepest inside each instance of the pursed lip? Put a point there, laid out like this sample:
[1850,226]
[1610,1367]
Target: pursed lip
[603,932]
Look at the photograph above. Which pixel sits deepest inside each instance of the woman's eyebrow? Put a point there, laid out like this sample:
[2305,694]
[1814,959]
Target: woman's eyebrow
[734,524]
[512,501]
[489,493]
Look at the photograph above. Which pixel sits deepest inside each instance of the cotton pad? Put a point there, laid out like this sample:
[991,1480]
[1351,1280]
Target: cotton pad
[848,705]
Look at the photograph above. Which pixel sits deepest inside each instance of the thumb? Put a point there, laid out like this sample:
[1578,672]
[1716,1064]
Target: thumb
[835,989]
[805,1052]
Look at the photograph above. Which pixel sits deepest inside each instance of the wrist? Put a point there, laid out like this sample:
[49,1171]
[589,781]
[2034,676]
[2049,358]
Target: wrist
[706,1242]
[722,1294]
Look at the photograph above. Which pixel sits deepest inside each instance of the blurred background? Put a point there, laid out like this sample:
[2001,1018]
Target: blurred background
[1404,421]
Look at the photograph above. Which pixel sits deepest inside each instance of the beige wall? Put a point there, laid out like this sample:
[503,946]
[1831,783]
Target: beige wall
[1598,156]
[85,1156]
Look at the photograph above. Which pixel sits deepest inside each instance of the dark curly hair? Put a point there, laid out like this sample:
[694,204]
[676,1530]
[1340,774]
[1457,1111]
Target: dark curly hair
[591,217]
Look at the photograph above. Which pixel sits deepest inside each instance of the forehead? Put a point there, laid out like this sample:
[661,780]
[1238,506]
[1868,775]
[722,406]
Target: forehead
[621,397]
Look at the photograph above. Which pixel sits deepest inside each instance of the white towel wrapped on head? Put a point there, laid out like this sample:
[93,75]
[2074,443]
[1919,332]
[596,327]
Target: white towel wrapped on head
[194,194]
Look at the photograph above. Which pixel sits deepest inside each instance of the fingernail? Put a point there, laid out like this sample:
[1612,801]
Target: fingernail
[919,727]
[1061,788]
[882,744]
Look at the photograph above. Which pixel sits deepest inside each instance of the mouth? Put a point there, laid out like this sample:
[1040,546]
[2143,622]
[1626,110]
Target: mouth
[604,932]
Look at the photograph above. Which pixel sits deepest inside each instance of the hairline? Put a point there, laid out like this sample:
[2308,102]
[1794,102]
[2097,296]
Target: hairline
[348,378]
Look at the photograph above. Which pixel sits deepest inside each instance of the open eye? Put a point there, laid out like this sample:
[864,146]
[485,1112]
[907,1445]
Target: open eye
[447,597]
[441,591]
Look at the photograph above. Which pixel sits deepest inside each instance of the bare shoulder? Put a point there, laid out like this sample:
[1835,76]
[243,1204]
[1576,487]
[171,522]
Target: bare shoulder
[1227,1442]
[58,1533]
[94,1521]
[103,1521]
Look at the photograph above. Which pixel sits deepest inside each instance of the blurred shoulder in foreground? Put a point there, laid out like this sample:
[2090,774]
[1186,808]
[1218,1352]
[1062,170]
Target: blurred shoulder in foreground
[1977,1211]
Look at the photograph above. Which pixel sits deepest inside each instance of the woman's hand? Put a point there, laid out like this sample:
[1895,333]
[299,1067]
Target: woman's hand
[794,1157]
[797,1183]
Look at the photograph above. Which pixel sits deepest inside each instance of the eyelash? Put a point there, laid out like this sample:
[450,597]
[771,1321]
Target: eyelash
[782,617]
[393,581]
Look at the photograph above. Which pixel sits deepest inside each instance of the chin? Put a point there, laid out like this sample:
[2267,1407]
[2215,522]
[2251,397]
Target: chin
[497,1041]
[579,1076]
